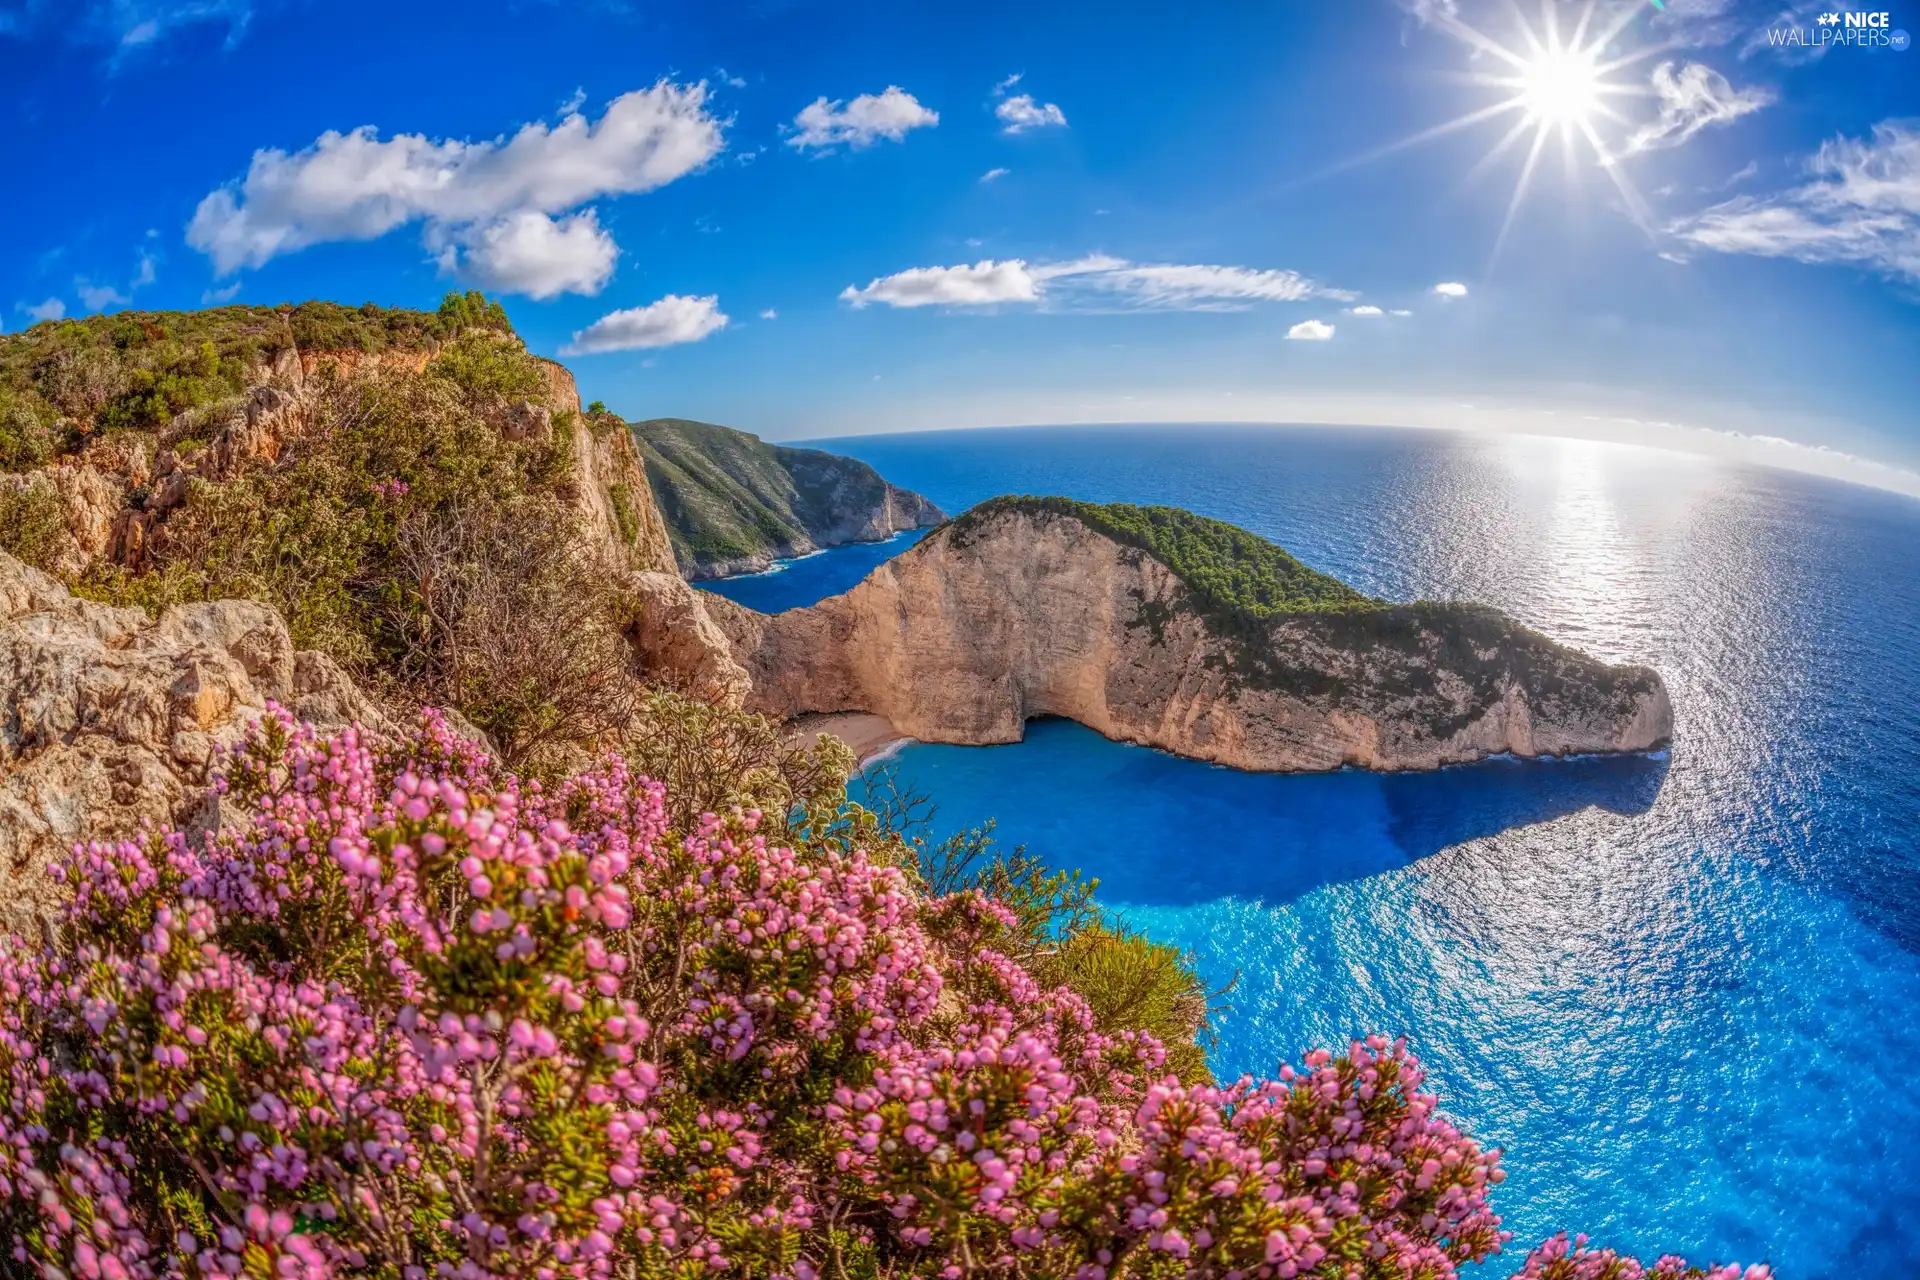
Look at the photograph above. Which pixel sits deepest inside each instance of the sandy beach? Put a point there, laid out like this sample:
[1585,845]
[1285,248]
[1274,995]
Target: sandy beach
[868,735]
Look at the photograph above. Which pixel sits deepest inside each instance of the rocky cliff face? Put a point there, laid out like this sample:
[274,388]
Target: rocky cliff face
[735,504]
[108,717]
[989,623]
[610,487]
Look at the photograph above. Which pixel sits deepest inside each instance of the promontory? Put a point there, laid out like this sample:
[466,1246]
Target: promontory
[1156,626]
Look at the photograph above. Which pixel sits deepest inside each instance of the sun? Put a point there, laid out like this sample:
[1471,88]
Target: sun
[1561,87]
[1555,81]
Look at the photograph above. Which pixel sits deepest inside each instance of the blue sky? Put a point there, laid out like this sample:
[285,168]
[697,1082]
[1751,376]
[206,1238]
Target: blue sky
[820,219]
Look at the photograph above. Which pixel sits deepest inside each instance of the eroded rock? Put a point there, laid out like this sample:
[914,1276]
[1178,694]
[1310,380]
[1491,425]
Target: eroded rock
[111,717]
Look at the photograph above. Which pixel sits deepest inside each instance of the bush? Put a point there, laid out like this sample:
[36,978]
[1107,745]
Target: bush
[33,522]
[406,1017]
[25,442]
[494,611]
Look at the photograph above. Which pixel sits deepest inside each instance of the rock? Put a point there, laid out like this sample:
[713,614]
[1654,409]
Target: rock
[111,718]
[677,644]
[528,421]
[962,639]
[614,501]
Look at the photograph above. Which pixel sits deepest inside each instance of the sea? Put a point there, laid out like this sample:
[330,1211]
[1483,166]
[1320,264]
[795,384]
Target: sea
[1679,991]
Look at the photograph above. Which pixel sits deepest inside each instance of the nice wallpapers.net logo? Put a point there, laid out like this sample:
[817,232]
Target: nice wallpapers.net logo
[1836,30]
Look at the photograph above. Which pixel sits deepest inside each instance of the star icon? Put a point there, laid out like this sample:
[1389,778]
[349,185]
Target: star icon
[1829,19]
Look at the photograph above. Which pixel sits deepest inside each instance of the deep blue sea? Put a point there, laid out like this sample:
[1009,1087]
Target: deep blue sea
[1680,992]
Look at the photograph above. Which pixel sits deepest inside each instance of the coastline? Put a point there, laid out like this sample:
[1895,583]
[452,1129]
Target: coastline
[870,736]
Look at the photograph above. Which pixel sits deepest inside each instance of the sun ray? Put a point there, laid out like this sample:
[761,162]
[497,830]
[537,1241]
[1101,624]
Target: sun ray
[1519,193]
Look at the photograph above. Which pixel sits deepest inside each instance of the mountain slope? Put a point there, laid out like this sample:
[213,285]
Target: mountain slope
[734,503]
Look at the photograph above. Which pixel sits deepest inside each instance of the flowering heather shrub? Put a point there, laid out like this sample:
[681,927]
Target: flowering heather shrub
[1564,1259]
[406,1017]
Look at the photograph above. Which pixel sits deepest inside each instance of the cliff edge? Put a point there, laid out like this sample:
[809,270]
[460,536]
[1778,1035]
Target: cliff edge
[1154,626]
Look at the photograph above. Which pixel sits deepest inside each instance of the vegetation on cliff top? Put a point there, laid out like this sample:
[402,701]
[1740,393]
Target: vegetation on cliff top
[1228,569]
[728,496]
[63,380]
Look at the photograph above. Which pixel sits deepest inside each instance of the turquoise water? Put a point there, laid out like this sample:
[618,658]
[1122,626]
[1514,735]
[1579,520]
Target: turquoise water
[1679,991]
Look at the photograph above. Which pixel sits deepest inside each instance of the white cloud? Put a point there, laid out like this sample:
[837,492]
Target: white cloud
[214,297]
[980,285]
[1367,309]
[355,186]
[1691,99]
[994,175]
[98,297]
[1401,313]
[666,323]
[51,309]
[1450,289]
[1021,113]
[1862,207]
[769,314]
[1310,331]
[1004,85]
[530,253]
[1095,282]
[868,118]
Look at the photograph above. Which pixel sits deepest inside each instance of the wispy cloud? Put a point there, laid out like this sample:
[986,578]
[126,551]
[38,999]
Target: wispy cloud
[1096,282]
[51,309]
[1366,309]
[1021,113]
[1311,331]
[671,321]
[1861,207]
[125,27]
[98,297]
[994,175]
[479,201]
[1691,99]
[889,114]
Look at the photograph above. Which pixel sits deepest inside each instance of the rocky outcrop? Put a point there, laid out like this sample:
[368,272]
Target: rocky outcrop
[735,504]
[990,622]
[678,645]
[110,717]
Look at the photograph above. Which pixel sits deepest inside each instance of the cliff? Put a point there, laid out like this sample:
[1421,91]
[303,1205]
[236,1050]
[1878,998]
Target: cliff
[734,503]
[1157,627]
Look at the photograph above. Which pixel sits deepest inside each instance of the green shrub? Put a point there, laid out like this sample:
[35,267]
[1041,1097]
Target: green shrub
[33,522]
[25,442]
[490,365]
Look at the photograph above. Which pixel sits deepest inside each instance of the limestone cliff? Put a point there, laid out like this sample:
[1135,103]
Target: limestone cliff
[108,717]
[734,503]
[1021,609]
